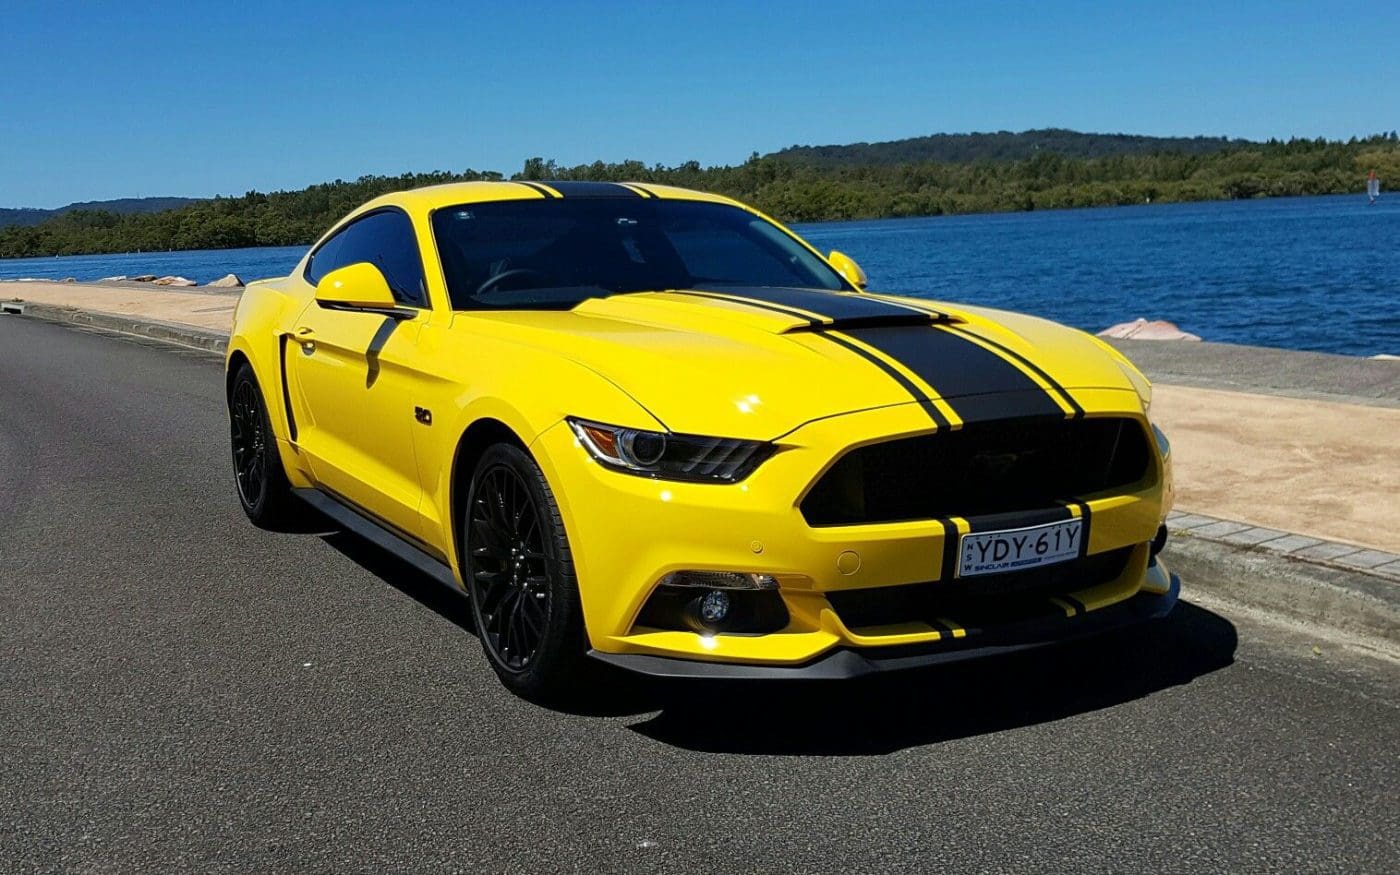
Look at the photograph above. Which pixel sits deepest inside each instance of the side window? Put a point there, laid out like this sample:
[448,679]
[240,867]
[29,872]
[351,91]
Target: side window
[386,241]
[325,261]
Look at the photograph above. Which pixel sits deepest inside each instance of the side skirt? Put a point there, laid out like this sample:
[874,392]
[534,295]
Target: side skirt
[371,530]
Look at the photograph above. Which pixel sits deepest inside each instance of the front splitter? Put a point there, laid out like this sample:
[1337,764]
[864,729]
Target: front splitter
[845,663]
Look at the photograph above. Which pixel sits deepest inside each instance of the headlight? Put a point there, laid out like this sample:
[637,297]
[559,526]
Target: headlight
[671,456]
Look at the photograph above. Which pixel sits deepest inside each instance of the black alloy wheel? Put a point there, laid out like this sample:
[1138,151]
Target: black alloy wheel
[263,489]
[520,575]
[249,444]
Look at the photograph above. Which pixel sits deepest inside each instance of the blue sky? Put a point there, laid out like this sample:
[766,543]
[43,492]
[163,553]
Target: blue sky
[103,100]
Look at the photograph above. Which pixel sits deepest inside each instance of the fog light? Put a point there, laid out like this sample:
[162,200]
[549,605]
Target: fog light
[714,610]
[714,607]
[720,580]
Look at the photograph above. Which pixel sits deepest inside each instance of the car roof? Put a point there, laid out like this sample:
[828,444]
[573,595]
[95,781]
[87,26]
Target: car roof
[433,197]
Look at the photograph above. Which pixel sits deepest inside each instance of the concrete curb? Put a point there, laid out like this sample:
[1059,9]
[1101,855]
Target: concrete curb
[166,332]
[1300,579]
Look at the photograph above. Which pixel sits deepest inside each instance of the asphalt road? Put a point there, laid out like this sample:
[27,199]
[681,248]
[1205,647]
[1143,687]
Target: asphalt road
[181,691]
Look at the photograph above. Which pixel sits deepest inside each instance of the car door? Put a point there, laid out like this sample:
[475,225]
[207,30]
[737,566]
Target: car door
[352,378]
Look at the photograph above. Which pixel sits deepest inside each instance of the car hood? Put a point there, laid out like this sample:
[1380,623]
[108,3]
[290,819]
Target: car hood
[758,363]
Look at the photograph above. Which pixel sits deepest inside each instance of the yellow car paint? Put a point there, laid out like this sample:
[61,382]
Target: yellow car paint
[348,392]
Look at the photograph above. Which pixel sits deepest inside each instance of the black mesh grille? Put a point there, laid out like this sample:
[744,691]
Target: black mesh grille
[993,467]
[988,600]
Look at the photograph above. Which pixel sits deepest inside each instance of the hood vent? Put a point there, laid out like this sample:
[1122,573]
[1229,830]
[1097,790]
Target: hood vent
[880,321]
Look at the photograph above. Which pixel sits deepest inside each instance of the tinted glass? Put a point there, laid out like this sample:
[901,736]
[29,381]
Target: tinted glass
[556,253]
[386,241]
[323,260]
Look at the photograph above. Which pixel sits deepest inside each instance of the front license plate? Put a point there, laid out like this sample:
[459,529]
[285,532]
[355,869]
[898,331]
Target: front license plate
[1018,549]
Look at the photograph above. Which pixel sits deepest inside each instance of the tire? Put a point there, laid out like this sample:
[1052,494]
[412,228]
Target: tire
[261,482]
[520,577]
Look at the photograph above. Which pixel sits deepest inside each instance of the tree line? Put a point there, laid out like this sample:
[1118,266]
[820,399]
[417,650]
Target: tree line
[787,189]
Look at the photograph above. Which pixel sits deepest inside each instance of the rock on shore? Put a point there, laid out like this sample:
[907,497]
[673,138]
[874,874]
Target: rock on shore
[173,281]
[1143,329]
[227,281]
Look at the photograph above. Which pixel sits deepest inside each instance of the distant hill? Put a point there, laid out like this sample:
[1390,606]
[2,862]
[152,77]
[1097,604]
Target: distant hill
[121,206]
[884,183]
[1001,146]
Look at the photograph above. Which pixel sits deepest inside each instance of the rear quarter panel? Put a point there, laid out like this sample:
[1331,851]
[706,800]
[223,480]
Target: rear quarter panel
[265,312]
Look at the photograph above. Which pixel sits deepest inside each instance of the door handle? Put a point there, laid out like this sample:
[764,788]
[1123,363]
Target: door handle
[307,338]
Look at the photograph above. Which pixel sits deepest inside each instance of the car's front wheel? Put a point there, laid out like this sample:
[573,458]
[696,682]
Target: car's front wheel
[263,489]
[520,576]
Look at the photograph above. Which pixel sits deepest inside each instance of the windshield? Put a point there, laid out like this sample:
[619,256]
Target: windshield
[553,254]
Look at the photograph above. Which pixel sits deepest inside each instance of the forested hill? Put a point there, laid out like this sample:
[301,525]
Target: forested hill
[1002,146]
[789,189]
[120,207]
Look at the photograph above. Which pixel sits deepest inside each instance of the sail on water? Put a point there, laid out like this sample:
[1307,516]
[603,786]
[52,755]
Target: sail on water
[1373,188]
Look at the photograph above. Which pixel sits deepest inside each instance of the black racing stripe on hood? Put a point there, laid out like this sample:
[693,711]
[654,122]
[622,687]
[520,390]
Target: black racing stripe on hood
[811,323]
[1005,405]
[928,406]
[760,305]
[835,306]
[592,189]
[966,376]
[1075,406]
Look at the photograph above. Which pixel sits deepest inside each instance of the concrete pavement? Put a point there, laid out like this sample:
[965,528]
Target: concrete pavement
[208,309]
[182,691]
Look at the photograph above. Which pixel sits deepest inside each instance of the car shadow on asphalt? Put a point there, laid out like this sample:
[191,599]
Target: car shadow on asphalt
[612,694]
[451,606]
[881,714]
[884,714]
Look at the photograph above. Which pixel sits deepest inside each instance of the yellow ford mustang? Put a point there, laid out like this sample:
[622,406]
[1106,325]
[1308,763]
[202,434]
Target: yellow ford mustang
[654,427]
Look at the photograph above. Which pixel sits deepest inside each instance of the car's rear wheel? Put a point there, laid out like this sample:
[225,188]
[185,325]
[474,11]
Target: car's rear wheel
[263,489]
[520,576]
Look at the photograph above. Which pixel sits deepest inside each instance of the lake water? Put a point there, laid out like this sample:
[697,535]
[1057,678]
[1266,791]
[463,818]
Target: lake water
[1319,273]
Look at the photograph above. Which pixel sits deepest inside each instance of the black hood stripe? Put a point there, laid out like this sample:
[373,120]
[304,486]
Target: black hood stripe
[816,325]
[976,382]
[818,321]
[917,308]
[761,305]
[929,407]
[835,306]
[1077,410]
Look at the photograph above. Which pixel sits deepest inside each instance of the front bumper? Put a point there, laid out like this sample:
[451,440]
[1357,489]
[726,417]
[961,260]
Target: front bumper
[845,663]
[628,532]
